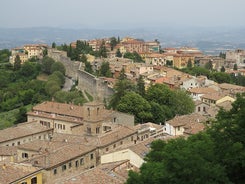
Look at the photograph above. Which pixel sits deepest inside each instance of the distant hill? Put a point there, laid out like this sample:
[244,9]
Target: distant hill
[206,39]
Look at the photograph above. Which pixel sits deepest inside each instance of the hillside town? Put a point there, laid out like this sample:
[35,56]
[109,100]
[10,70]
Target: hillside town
[68,143]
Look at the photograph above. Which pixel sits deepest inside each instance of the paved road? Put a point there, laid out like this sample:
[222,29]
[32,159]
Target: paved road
[68,84]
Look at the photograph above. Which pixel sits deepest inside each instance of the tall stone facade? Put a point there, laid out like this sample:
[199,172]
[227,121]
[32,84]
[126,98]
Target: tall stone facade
[95,86]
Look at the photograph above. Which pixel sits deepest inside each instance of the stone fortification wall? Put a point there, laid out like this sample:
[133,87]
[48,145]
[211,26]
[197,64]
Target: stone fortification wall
[96,87]
[71,66]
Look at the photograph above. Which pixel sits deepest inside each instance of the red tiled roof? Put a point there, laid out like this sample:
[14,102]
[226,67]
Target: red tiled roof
[22,130]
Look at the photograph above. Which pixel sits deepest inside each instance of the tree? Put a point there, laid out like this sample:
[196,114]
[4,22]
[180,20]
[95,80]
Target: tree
[53,45]
[102,50]
[182,103]
[21,115]
[214,156]
[222,69]
[47,62]
[28,70]
[52,87]
[118,53]
[169,63]
[17,63]
[113,42]
[133,103]
[229,138]
[122,75]
[134,56]
[45,52]
[189,64]
[88,67]
[83,58]
[172,102]
[105,70]
[58,66]
[221,77]
[4,55]
[182,161]
[121,87]
[58,77]
[159,113]
[222,55]
[209,65]
[141,86]
[235,67]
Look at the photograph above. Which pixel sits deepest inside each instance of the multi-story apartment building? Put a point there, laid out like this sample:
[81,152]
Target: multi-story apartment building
[27,52]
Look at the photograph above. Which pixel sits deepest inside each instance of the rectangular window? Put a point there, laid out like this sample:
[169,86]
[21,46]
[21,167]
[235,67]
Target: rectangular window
[81,161]
[199,108]
[24,155]
[91,156]
[34,180]
[64,127]
[63,167]
[89,130]
[77,164]
[55,171]
[97,130]
[70,164]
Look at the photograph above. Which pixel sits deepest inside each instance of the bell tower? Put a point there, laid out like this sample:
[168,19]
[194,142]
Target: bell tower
[93,117]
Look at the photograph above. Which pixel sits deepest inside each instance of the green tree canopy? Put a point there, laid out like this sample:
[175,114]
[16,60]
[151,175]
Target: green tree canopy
[21,116]
[134,56]
[172,102]
[189,64]
[121,88]
[141,86]
[214,156]
[47,62]
[135,104]
[58,66]
[118,53]
[17,63]
[222,69]
[113,42]
[209,65]
[105,70]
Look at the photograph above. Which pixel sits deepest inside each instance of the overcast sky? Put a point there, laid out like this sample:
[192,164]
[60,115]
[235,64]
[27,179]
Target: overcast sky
[119,13]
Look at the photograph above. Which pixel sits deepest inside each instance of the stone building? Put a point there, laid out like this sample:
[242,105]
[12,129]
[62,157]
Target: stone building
[74,119]
[23,133]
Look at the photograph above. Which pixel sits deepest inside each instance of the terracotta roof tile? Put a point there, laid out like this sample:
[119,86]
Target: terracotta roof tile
[60,108]
[115,135]
[21,130]
[202,90]
[110,173]
[186,119]
[11,172]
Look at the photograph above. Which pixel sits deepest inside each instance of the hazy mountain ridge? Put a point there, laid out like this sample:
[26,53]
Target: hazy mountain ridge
[203,38]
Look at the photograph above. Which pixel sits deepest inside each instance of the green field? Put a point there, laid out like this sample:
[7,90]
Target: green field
[7,118]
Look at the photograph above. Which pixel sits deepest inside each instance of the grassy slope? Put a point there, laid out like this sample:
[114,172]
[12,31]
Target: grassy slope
[7,118]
